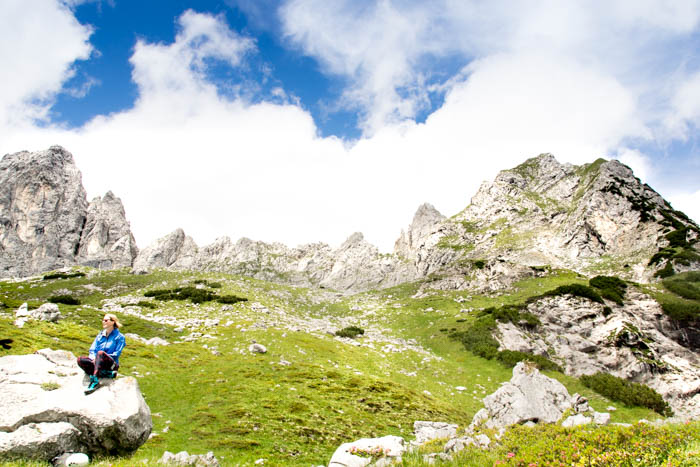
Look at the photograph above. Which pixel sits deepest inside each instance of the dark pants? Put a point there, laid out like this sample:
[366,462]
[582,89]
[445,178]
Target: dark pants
[103,362]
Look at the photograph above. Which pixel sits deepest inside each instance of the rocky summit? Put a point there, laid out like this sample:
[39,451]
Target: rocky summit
[47,223]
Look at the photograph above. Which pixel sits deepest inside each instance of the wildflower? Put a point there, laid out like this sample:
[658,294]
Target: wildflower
[510,455]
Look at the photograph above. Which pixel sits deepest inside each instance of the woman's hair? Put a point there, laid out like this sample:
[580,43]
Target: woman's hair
[114,319]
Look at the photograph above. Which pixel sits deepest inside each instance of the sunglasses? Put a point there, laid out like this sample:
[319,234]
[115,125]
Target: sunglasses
[106,319]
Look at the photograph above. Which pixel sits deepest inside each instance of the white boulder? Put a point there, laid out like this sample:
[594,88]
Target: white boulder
[361,452]
[46,413]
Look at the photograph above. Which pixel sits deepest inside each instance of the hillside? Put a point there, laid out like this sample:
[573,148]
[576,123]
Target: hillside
[581,270]
[311,391]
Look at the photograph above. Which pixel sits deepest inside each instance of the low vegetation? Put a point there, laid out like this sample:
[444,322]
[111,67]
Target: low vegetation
[65,299]
[63,275]
[478,337]
[629,393]
[611,288]
[682,302]
[640,445]
[350,331]
[244,407]
[193,294]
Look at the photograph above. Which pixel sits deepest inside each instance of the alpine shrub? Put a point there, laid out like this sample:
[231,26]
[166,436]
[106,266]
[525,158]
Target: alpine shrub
[350,331]
[682,311]
[576,290]
[631,394]
[666,271]
[64,299]
[683,288]
[230,299]
[612,288]
[62,275]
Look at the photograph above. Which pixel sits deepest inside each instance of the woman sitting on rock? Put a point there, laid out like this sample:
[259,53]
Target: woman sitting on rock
[103,359]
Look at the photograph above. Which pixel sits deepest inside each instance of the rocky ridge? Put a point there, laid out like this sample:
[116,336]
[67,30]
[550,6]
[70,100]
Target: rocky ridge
[592,218]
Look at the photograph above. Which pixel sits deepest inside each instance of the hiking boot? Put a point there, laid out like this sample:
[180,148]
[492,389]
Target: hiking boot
[107,374]
[94,384]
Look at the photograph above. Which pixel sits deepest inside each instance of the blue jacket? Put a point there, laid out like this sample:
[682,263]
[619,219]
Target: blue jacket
[112,345]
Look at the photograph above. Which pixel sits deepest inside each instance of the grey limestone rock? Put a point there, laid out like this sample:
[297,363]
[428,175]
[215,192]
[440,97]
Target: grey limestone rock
[42,211]
[427,431]
[106,241]
[577,334]
[388,447]
[175,250]
[183,458]
[45,412]
[47,312]
[528,396]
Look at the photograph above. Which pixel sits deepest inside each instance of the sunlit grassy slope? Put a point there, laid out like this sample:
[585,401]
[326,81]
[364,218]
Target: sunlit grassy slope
[311,391]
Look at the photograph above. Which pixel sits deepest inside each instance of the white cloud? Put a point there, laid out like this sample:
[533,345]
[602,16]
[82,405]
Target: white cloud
[687,202]
[187,156]
[41,39]
[640,163]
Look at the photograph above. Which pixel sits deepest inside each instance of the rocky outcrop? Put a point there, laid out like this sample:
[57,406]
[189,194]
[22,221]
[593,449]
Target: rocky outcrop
[45,412]
[46,222]
[632,341]
[355,266]
[175,250]
[106,241]
[421,234]
[42,211]
[546,213]
[528,397]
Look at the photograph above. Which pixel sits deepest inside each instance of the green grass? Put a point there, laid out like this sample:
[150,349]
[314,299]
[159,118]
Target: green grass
[246,406]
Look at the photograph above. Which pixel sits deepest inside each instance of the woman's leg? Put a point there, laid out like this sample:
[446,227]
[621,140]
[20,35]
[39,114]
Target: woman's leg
[87,365]
[103,362]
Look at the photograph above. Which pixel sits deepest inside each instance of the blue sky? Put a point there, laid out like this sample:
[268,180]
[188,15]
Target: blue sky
[306,120]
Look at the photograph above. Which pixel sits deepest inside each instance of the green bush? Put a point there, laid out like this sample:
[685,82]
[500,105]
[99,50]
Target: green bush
[666,271]
[193,294]
[576,290]
[630,394]
[64,299]
[684,288]
[678,237]
[612,288]
[682,311]
[230,299]
[145,304]
[479,264]
[62,275]
[664,253]
[350,331]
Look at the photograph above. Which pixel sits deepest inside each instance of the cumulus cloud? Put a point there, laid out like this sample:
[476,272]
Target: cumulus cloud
[38,51]
[381,47]
[187,155]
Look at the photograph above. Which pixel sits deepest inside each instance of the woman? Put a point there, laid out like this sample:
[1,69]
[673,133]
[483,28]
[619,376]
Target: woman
[104,353]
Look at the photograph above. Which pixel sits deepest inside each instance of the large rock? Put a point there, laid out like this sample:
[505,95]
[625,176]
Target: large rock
[528,396]
[361,452]
[42,211]
[45,412]
[106,240]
